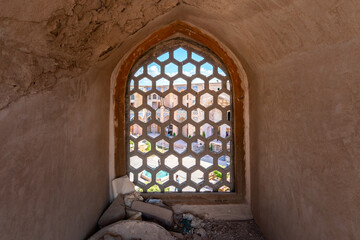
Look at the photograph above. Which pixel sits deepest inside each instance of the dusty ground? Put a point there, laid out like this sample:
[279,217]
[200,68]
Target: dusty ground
[230,230]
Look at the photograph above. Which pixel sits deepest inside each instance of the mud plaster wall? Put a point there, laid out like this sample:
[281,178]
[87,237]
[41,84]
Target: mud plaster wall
[301,58]
[305,151]
[53,162]
[54,101]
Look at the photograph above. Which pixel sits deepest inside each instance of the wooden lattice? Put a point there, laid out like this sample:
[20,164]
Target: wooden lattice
[179,120]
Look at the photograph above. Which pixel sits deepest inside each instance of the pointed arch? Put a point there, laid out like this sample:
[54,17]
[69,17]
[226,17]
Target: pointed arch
[183,29]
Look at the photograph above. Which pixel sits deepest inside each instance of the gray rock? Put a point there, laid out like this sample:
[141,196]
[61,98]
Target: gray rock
[108,236]
[132,229]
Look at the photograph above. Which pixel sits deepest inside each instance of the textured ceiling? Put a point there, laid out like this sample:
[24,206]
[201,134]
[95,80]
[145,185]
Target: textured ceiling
[41,42]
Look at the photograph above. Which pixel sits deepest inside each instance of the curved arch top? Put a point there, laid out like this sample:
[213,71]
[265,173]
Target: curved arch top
[185,30]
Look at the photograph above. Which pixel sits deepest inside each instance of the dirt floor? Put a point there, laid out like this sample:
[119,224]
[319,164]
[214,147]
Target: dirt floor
[230,230]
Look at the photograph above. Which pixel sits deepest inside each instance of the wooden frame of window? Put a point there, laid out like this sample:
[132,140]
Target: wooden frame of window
[196,35]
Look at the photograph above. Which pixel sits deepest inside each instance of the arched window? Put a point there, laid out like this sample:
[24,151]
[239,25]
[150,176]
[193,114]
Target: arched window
[181,138]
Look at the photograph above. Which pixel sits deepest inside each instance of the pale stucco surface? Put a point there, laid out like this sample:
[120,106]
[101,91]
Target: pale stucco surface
[53,162]
[301,59]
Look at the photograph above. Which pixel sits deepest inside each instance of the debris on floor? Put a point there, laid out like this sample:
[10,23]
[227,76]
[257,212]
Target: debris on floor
[130,217]
[232,230]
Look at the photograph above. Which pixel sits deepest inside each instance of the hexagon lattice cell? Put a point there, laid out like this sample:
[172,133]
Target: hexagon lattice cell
[206,161]
[206,189]
[170,101]
[144,115]
[162,146]
[206,69]
[188,130]
[215,115]
[144,146]
[215,146]
[162,177]
[180,115]
[144,177]
[224,161]
[153,161]
[197,115]
[197,176]
[215,177]
[180,177]
[198,146]
[189,100]
[198,84]
[215,84]
[171,131]
[179,121]
[153,130]
[153,100]
[162,85]
[206,130]
[145,84]
[171,161]
[189,69]
[224,131]
[180,54]
[180,146]
[132,146]
[171,69]
[180,85]
[154,188]
[135,131]
[224,188]
[188,161]
[162,114]
[136,100]
[136,162]
[154,69]
[131,115]
[224,100]
[163,57]
[206,100]
[188,189]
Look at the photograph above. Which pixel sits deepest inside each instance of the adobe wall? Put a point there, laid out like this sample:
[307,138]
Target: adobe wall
[54,161]
[301,59]
[305,114]
[54,111]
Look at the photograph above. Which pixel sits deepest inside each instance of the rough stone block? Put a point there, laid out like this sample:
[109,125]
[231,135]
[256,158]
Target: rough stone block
[161,214]
[115,212]
[122,185]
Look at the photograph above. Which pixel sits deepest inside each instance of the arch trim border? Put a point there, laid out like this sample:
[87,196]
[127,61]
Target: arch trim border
[185,29]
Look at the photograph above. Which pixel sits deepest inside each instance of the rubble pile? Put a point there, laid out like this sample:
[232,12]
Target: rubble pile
[130,216]
[123,219]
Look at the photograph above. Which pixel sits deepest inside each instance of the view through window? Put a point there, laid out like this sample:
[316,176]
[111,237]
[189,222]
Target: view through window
[179,121]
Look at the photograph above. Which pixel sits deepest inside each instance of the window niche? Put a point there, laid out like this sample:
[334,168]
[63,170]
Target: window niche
[168,90]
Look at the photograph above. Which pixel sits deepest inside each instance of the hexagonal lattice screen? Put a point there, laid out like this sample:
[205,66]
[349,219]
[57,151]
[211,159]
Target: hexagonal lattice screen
[179,126]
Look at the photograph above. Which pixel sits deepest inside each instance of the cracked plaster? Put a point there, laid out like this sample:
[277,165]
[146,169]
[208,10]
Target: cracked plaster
[37,52]
[66,38]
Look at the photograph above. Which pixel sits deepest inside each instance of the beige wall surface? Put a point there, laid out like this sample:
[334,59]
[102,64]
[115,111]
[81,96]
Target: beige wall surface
[302,63]
[54,162]
[305,138]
